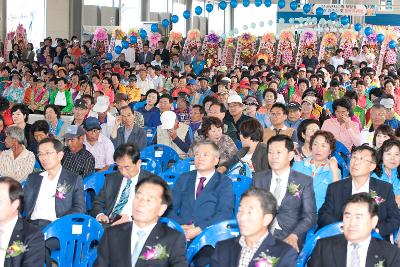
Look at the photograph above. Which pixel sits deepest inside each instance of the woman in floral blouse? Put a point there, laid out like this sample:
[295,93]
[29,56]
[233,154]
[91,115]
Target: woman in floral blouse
[39,97]
[14,91]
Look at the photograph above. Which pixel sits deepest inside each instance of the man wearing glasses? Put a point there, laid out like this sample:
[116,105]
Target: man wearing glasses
[114,203]
[361,165]
[98,144]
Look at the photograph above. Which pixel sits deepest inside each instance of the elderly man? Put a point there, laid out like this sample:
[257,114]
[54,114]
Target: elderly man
[173,133]
[98,144]
[257,210]
[235,114]
[129,244]
[362,163]
[356,247]
[76,158]
[294,192]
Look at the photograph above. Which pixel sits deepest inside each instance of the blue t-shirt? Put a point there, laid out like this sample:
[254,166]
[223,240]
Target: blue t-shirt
[151,117]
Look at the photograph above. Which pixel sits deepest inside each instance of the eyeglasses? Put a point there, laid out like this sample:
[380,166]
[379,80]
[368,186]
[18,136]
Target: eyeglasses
[360,159]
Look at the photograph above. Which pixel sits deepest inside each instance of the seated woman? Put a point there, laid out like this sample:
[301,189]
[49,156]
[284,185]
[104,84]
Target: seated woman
[17,161]
[62,97]
[150,112]
[320,165]
[57,126]
[306,129]
[387,165]
[20,116]
[39,96]
[381,134]
[14,91]
[212,129]
[252,107]
[254,151]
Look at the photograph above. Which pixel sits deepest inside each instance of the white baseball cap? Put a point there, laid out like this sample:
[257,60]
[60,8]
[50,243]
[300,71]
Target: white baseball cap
[102,104]
[235,99]
[168,119]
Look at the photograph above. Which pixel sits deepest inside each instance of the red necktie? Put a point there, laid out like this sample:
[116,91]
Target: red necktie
[200,186]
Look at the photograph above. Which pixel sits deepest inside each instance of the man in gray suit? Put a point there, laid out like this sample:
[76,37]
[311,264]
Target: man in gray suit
[294,192]
[146,56]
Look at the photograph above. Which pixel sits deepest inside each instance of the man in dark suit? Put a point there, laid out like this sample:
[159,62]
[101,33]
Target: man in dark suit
[133,243]
[163,52]
[362,163]
[202,197]
[15,231]
[54,193]
[356,247]
[137,135]
[257,210]
[113,204]
[294,192]
[146,56]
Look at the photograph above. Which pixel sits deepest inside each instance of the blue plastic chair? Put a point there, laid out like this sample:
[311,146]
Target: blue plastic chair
[162,154]
[240,168]
[327,231]
[240,185]
[94,182]
[23,183]
[150,165]
[342,155]
[139,105]
[170,177]
[150,133]
[172,224]
[78,235]
[238,144]
[211,235]
[184,165]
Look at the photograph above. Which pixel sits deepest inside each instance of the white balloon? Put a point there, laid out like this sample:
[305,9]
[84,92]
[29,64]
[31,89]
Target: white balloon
[291,20]
[236,30]
[270,22]
[281,20]
[253,25]
[245,27]
[261,23]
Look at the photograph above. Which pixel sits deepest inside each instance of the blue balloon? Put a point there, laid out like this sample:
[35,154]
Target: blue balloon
[154,27]
[319,11]
[258,3]
[109,56]
[358,27]
[234,4]
[222,5]
[293,5]
[306,8]
[118,49]
[133,39]
[198,10]
[209,7]
[380,37]
[344,20]
[246,3]
[174,19]
[125,44]
[143,34]
[333,16]
[268,3]
[368,31]
[186,14]
[392,44]
[281,4]
[165,23]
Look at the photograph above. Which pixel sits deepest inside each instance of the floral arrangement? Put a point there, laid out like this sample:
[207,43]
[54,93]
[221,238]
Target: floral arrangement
[157,252]
[245,49]
[247,38]
[228,52]
[192,40]
[380,264]
[100,34]
[348,40]
[15,37]
[211,49]
[118,34]
[286,48]
[328,46]
[266,48]
[378,199]
[133,32]
[100,40]
[266,261]
[16,249]
[308,39]
[174,39]
[294,190]
[62,190]
[154,38]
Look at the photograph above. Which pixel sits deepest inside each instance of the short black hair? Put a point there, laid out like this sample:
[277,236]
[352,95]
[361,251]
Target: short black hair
[40,126]
[253,129]
[58,146]
[167,96]
[365,147]
[363,198]
[211,99]
[271,91]
[23,108]
[281,106]
[15,190]
[281,138]
[156,180]
[343,102]
[86,96]
[200,107]
[153,91]
[55,108]
[222,107]
[129,150]
[267,200]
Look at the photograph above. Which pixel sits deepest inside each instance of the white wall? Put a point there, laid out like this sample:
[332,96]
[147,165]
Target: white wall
[57,22]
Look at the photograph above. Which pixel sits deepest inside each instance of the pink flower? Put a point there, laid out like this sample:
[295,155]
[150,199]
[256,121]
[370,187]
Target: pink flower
[60,195]
[263,263]
[378,200]
[150,254]
[297,194]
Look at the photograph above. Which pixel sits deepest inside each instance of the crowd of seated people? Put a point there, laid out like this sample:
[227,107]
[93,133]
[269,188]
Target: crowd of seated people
[322,145]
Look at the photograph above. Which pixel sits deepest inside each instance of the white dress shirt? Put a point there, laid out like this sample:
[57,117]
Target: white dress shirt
[198,176]
[127,209]
[362,252]
[5,237]
[60,99]
[144,85]
[284,184]
[363,189]
[45,207]
[134,236]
